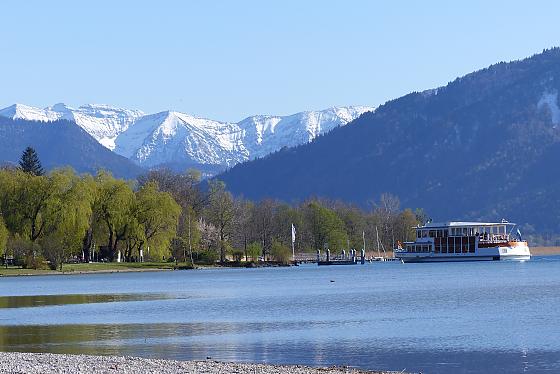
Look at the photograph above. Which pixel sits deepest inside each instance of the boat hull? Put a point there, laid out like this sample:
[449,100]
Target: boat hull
[513,252]
[463,258]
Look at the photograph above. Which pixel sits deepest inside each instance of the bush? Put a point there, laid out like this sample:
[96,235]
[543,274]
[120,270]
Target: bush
[280,252]
[52,252]
[237,255]
[254,251]
[24,252]
[35,262]
[206,257]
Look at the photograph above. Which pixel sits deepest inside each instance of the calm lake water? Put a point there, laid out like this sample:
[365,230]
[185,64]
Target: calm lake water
[495,317]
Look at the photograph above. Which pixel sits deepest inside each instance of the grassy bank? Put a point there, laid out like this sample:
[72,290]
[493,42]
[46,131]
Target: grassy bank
[86,268]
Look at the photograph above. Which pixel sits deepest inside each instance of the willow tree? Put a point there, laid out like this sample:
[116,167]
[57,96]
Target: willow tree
[67,217]
[113,209]
[26,200]
[157,216]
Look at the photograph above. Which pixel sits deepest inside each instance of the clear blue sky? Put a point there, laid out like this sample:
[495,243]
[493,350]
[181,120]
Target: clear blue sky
[226,60]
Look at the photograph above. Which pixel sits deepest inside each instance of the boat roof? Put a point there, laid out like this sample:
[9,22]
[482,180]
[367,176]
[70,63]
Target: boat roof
[433,225]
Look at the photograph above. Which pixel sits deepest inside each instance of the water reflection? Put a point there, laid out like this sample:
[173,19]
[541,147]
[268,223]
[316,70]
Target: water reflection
[434,318]
[259,342]
[48,300]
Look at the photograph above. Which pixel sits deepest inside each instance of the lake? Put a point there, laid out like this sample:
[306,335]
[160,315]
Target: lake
[485,317]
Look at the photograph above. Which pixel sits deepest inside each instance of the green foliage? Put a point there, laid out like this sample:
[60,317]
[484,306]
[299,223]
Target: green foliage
[29,162]
[63,215]
[157,216]
[280,252]
[254,251]
[3,236]
[206,257]
[326,228]
[114,211]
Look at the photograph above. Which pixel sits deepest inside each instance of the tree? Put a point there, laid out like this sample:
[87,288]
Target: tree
[29,162]
[243,230]
[157,214]
[326,228]
[253,251]
[280,252]
[405,223]
[262,222]
[27,201]
[220,213]
[113,209]
[67,217]
[3,236]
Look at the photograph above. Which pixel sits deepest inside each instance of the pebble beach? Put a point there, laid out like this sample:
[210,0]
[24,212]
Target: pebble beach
[30,363]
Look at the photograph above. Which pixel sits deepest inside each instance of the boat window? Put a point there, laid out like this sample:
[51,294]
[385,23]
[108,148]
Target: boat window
[445,233]
[464,231]
[432,233]
[424,233]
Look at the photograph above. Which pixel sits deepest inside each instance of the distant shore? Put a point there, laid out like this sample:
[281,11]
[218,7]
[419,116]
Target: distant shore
[122,267]
[31,363]
[545,251]
[129,267]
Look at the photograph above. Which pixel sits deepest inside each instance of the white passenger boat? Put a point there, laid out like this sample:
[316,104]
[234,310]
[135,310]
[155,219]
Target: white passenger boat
[464,241]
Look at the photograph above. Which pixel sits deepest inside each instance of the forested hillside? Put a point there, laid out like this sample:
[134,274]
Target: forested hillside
[61,143]
[486,146]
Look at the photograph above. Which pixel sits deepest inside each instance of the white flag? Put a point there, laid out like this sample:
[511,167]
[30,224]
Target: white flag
[293,233]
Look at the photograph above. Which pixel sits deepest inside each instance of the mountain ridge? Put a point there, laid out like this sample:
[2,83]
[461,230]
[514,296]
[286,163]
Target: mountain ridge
[180,140]
[482,147]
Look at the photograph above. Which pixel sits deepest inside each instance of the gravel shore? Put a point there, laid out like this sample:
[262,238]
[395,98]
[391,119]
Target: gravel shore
[14,362]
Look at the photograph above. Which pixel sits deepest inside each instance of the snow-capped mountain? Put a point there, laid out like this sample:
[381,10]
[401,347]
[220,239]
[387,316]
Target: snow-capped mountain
[180,140]
[103,122]
[175,138]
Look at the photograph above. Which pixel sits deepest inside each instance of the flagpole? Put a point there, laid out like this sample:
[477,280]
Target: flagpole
[293,243]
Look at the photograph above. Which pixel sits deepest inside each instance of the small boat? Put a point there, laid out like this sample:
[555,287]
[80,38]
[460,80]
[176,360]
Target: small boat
[464,241]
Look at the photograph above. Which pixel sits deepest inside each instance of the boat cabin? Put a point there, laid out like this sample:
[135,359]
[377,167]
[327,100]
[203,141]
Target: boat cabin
[458,237]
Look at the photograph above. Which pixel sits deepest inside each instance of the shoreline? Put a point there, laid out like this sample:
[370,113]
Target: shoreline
[20,362]
[110,268]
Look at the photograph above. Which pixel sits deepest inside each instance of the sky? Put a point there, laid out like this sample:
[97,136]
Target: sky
[227,60]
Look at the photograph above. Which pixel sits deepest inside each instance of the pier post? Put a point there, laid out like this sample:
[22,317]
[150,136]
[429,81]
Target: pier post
[318,255]
[354,256]
[363,260]
[328,255]
[344,254]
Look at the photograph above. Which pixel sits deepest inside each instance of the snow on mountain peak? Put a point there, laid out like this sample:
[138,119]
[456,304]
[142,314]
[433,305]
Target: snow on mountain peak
[172,137]
[21,111]
[178,138]
[103,122]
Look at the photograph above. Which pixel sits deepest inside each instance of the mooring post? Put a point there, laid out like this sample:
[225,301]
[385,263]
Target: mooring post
[328,255]
[318,255]
[363,256]
[353,255]
[344,254]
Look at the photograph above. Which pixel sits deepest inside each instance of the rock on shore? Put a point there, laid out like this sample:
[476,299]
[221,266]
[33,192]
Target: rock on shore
[29,363]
